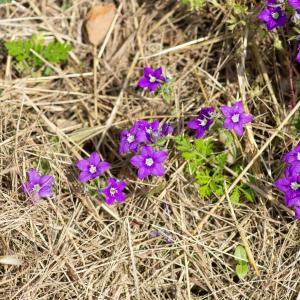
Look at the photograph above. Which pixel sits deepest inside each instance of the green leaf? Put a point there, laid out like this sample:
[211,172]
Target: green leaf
[220,160]
[241,270]
[248,193]
[240,254]
[56,52]
[235,196]
[203,177]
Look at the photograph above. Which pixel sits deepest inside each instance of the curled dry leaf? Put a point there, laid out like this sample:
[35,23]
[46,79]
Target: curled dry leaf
[10,260]
[98,22]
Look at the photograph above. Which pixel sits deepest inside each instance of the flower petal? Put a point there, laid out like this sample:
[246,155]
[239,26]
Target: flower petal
[103,166]
[120,197]
[46,180]
[34,176]
[158,170]
[160,156]
[137,161]
[147,151]
[200,132]
[85,176]
[148,71]
[193,124]
[143,83]
[94,159]
[246,118]
[228,123]
[83,164]
[238,129]
[45,192]
[238,107]
[143,172]
[121,185]
[227,111]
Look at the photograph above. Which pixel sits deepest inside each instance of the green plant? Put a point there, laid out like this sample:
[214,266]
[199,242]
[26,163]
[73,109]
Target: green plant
[240,256]
[24,52]
[208,169]
[193,4]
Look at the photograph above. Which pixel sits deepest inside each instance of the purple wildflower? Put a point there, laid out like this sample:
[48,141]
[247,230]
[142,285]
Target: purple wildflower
[152,79]
[149,162]
[291,187]
[203,122]
[294,3]
[150,130]
[293,169]
[273,17]
[38,186]
[113,192]
[131,139]
[236,118]
[91,168]
[166,130]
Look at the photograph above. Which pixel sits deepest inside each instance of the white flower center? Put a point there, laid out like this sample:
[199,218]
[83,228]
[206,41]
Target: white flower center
[149,130]
[275,15]
[36,188]
[152,79]
[130,138]
[235,118]
[298,156]
[149,162]
[203,122]
[295,186]
[113,191]
[93,169]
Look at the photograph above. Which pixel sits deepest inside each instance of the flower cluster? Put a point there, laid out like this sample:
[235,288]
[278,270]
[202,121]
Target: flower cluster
[235,119]
[290,184]
[275,15]
[140,140]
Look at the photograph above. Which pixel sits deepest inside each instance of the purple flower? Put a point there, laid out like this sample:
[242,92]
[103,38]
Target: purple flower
[38,186]
[113,192]
[294,3]
[236,118]
[291,187]
[150,130]
[149,162]
[293,169]
[273,17]
[91,168]
[166,129]
[203,122]
[152,79]
[293,157]
[131,139]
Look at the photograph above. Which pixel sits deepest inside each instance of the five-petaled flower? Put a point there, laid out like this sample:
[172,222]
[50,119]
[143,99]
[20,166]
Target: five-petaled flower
[152,79]
[203,122]
[290,185]
[273,16]
[149,162]
[38,186]
[92,167]
[131,139]
[114,191]
[236,118]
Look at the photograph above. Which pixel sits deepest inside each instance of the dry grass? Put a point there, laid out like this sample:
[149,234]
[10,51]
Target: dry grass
[73,248]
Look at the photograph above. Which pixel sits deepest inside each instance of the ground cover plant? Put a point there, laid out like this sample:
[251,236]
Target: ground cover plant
[158,158]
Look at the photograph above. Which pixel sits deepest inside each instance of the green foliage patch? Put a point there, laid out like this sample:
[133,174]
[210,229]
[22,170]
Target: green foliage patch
[208,169]
[21,50]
